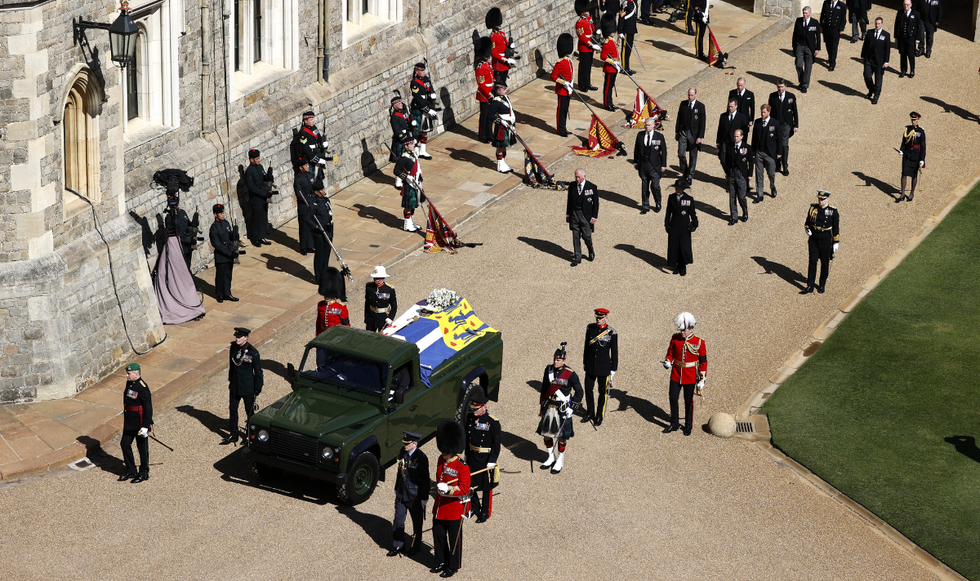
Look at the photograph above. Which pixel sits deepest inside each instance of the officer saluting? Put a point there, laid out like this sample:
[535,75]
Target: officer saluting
[380,304]
[822,227]
[423,108]
[482,450]
[411,494]
[913,154]
[600,358]
[244,380]
[137,423]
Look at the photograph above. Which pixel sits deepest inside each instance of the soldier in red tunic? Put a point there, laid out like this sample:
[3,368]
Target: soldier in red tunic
[502,46]
[484,88]
[610,58]
[584,29]
[687,360]
[451,499]
[561,74]
[332,310]
[561,393]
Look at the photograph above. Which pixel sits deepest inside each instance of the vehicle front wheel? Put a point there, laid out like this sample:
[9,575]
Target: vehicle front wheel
[362,478]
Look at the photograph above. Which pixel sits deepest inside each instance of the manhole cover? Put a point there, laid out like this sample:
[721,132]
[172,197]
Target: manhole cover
[83,464]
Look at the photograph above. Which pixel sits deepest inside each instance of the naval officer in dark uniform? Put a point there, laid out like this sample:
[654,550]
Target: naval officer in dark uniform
[244,380]
[822,227]
[482,450]
[600,359]
[137,423]
[411,495]
[380,304]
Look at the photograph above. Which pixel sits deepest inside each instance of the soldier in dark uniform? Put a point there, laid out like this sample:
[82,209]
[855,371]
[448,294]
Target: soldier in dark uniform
[699,18]
[833,19]
[857,13]
[581,212]
[600,359]
[585,29]
[320,221]
[739,170]
[689,132]
[931,12]
[380,304]
[650,159]
[423,108]
[561,74]
[224,239]
[258,199]
[806,46]
[409,170]
[783,104]
[412,487]
[561,393]
[504,119]
[913,153]
[908,33]
[399,119]
[875,53]
[303,188]
[822,226]
[179,225]
[627,30]
[687,360]
[244,380]
[310,144]
[482,450]
[680,220]
[137,423]
[768,150]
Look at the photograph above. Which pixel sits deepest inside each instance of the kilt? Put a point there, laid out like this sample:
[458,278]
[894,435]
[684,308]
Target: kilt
[502,137]
[421,123]
[566,430]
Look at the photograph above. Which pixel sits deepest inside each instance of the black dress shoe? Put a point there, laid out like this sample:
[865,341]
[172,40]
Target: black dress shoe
[140,478]
[480,518]
[220,299]
[447,573]
[656,209]
[803,89]
[758,199]
[586,418]
[687,431]
[593,88]
[731,222]
[598,422]
[744,218]
[682,270]
[610,108]
[929,55]
[644,210]
[232,299]
[591,256]
[785,171]
[438,568]
[912,74]
[899,199]
[304,252]
[831,68]
[820,289]
[562,134]
[575,262]
[874,100]
[630,72]
[807,290]
[774,191]
[126,476]
[901,75]
[257,244]
[266,242]
[393,553]
[853,40]
[909,198]
[671,428]
[871,94]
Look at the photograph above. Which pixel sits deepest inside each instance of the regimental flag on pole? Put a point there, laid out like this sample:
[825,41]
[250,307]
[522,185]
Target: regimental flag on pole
[716,58]
[438,234]
[644,107]
[602,142]
[535,174]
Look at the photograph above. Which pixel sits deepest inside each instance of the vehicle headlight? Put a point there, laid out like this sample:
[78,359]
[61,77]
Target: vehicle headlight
[327,453]
[263,435]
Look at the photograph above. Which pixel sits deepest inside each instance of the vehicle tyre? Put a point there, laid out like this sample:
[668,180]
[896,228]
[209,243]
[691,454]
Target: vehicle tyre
[362,478]
[472,390]
[262,471]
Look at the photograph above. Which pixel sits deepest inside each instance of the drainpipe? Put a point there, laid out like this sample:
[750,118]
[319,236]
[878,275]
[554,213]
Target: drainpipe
[205,66]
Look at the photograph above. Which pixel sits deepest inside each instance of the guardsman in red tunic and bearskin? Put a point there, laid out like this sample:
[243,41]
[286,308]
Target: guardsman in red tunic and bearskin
[687,359]
[423,108]
[610,57]
[137,422]
[561,74]
[399,120]
[451,499]
[584,29]
[332,310]
[561,393]
[502,46]
[484,88]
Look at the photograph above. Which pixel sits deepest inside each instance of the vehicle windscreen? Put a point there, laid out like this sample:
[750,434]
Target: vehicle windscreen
[346,370]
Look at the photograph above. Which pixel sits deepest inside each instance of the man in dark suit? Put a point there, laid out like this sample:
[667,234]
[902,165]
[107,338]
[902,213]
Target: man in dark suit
[783,104]
[739,170]
[931,12]
[806,46]
[745,99]
[650,159]
[833,18]
[689,132]
[581,212]
[767,146]
[857,13]
[412,487]
[728,122]
[908,32]
[875,54]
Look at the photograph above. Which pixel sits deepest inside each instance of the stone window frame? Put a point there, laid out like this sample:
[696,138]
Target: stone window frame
[161,24]
[280,43]
[80,136]
[358,24]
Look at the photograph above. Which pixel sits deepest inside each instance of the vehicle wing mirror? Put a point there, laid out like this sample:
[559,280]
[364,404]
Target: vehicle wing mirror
[399,397]
[291,375]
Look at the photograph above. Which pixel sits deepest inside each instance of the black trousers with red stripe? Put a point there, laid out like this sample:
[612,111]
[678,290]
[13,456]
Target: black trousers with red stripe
[607,90]
[584,71]
[142,446]
[563,102]
[447,542]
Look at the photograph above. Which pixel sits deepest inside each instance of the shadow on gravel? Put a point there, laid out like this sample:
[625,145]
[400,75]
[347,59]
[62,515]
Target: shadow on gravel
[646,410]
[788,274]
[207,419]
[379,529]
[842,89]
[883,187]
[275,367]
[548,247]
[535,385]
[281,238]
[372,213]
[765,77]
[711,210]
[233,469]
[105,461]
[965,445]
[477,159]
[646,256]
[522,448]
[947,108]
[619,199]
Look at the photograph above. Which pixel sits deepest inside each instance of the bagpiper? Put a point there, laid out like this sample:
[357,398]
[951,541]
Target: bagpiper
[423,108]
[913,152]
[610,58]
[451,499]
[410,171]
[561,74]
[503,47]
[399,120]
[484,88]
[561,392]
[503,125]
[585,29]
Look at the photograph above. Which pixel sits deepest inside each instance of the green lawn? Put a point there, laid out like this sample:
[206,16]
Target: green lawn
[888,409]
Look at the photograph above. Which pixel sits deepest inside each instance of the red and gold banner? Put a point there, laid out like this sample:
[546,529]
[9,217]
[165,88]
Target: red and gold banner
[644,107]
[438,234]
[602,142]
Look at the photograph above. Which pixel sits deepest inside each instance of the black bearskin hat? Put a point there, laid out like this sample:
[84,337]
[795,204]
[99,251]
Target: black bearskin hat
[494,18]
[565,45]
[608,25]
[332,284]
[582,6]
[483,48]
[450,438]
[612,7]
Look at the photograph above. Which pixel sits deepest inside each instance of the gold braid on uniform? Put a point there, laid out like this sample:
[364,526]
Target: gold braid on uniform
[239,357]
[909,136]
[691,348]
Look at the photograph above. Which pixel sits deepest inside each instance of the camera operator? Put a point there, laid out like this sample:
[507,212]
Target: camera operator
[258,199]
[224,239]
[184,229]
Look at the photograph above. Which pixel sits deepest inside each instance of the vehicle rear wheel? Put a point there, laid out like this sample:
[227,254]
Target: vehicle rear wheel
[262,471]
[362,478]
[472,390]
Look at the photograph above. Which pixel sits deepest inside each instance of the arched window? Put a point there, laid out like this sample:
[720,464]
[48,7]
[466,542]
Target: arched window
[80,126]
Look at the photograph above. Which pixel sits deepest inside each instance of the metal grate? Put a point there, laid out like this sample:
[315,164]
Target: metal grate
[294,446]
[744,427]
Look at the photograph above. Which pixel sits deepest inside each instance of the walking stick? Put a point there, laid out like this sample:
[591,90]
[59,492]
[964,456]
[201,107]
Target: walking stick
[159,442]
[636,52]
[345,270]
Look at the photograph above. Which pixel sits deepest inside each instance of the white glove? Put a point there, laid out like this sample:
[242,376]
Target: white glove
[413,123]
[922,163]
[322,162]
[442,487]
[326,145]
[618,66]
[612,374]
[144,432]
[621,36]
[666,364]
[569,88]
[705,19]
[568,412]
[433,114]
[836,246]
[900,152]
[511,62]
[387,321]
[699,385]
[809,232]
[491,464]
[432,95]
[595,46]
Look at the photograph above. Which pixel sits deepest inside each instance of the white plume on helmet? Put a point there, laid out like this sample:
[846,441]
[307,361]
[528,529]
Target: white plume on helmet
[685,320]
